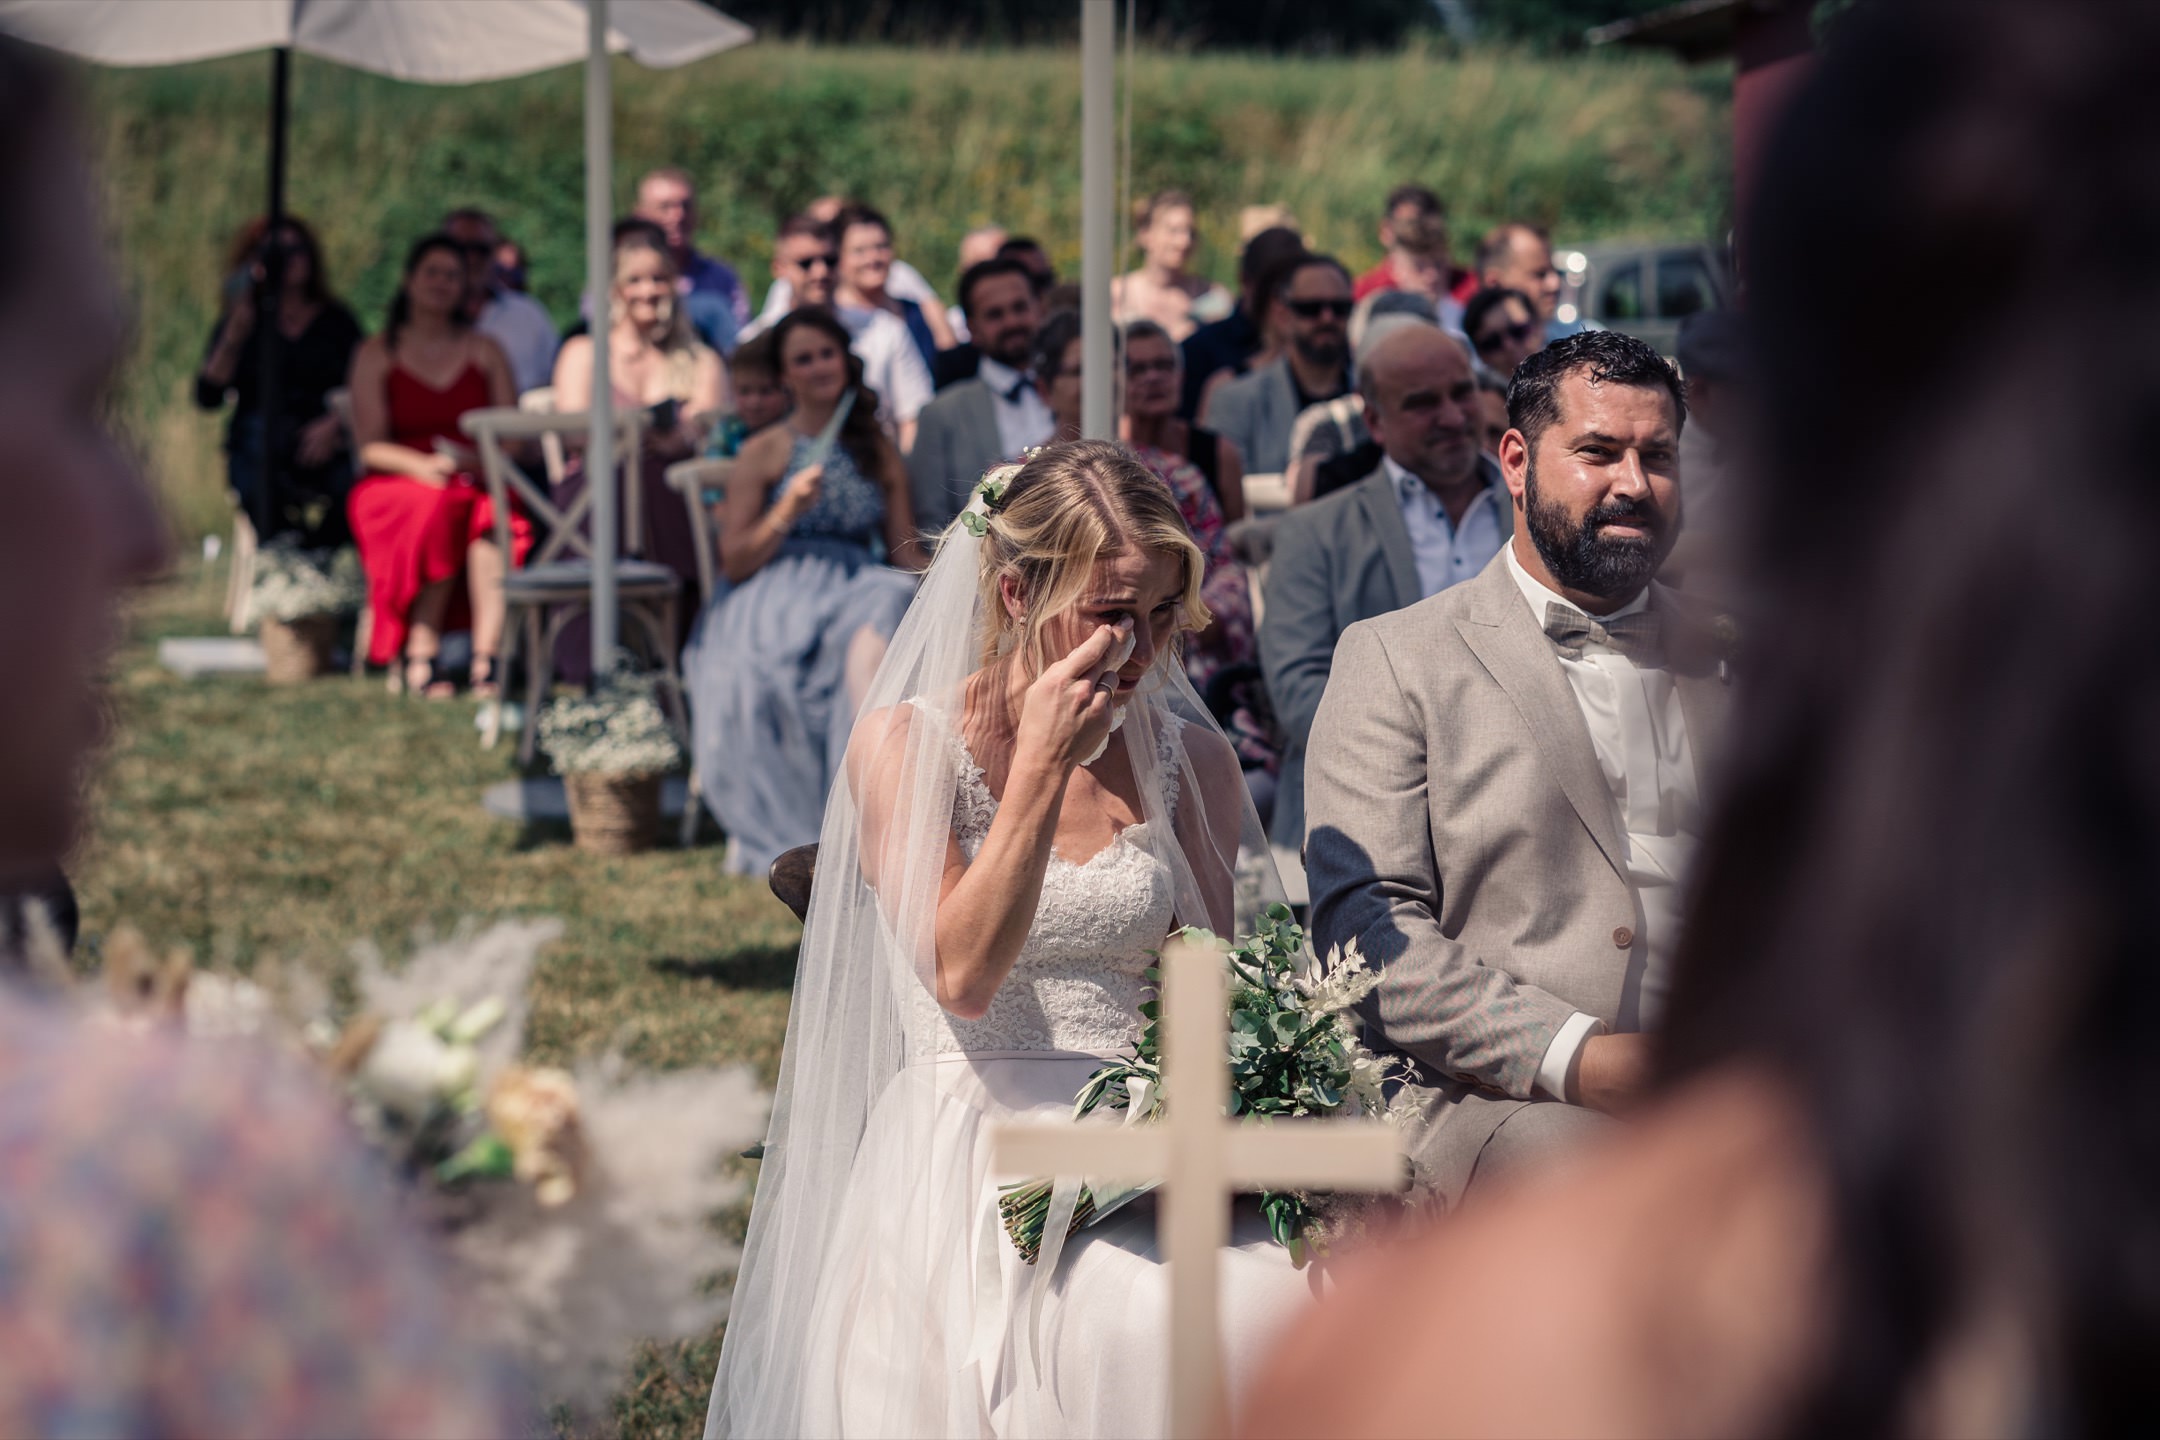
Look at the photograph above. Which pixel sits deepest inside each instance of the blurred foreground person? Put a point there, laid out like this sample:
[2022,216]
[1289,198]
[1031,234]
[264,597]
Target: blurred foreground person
[1903,1175]
[191,1243]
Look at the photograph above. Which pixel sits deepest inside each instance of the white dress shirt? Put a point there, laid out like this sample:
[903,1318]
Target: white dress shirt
[904,282]
[1640,735]
[520,325]
[892,365]
[1449,552]
[1023,417]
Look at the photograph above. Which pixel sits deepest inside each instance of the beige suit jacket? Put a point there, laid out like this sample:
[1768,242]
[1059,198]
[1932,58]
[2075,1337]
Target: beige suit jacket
[1458,828]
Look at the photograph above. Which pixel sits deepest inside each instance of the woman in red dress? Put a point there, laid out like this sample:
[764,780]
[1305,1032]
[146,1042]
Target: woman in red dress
[421,515]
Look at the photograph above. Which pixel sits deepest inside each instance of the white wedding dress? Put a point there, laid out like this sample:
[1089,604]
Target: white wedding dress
[1081,1349]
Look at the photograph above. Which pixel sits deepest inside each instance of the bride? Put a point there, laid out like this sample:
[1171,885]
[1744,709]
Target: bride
[1032,801]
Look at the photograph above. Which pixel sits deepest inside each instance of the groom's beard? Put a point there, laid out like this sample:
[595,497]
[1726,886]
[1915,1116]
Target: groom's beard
[1587,560]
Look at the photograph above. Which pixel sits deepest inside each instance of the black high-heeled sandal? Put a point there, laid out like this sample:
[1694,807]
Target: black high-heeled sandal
[428,686]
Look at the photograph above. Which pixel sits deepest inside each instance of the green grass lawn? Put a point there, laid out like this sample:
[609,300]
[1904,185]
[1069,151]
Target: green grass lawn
[251,823]
[257,825]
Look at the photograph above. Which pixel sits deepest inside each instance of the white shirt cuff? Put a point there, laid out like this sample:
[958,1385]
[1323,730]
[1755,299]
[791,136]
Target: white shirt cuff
[1552,1071]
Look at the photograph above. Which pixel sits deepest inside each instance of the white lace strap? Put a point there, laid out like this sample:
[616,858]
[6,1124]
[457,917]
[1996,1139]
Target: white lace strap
[1169,742]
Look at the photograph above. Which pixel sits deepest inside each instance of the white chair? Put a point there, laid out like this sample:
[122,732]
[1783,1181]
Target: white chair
[558,574]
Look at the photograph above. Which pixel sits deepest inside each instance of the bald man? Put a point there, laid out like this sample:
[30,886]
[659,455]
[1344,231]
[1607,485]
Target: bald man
[1430,515]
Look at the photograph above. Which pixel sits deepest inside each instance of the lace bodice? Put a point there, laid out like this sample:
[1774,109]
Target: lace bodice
[1078,983]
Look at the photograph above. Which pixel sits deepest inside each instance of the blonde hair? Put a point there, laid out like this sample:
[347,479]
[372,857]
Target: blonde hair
[679,345]
[1068,507]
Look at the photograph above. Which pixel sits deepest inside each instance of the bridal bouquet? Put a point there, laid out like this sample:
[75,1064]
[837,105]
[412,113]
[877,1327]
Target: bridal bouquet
[1293,1051]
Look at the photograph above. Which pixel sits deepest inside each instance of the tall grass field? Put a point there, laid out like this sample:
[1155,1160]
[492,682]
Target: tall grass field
[1595,146]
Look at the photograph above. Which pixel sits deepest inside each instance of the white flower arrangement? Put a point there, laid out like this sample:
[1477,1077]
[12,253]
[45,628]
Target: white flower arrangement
[1294,1051]
[618,729]
[292,583]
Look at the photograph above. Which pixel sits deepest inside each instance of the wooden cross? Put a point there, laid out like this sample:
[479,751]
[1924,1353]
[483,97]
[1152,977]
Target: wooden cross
[1202,1160]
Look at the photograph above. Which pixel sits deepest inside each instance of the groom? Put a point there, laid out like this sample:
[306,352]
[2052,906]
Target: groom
[1503,787]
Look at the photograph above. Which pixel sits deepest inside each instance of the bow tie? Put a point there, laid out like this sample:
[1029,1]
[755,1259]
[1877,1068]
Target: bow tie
[1634,636]
[1019,388]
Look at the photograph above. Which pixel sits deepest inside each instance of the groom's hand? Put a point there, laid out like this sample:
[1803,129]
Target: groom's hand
[1611,1072]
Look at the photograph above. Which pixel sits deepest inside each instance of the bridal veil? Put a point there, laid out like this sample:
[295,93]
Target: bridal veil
[864,1020]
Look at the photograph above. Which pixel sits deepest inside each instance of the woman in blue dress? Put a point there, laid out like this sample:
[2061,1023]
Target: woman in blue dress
[819,549]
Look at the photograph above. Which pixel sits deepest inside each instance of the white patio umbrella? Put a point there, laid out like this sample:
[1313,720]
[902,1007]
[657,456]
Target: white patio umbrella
[435,42]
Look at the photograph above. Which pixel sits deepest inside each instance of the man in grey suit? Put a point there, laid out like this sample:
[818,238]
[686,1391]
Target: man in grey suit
[975,424]
[1429,515]
[1311,298]
[1504,793]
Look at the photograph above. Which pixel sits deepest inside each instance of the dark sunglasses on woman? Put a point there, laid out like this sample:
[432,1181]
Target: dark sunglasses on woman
[1505,335]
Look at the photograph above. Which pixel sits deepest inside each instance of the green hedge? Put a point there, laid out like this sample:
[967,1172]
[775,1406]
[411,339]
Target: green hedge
[1595,146]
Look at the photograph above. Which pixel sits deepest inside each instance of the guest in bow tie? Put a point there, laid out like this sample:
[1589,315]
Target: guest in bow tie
[984,421]
[1503,784]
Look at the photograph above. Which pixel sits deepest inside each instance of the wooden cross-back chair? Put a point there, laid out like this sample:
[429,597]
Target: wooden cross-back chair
[692,480]
[557,576]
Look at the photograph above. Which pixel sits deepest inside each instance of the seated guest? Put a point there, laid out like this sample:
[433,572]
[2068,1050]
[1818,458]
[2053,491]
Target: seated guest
[1163,290]
[1055,369]
[192,1241]
[711,293]
[1429,515]
[1518,257]
[1229,345]
[1029,252]
[1312,297]
[1414,233]
[980,244]
[511,265]
[1329,445]
[1503,329]
[805,258]
[1492,406]
[904,281]
[1151,418]
[656,364]
[318,336]
[511,318]
[866,261]
[1166,445]
[421,515]
[991,418]
[781,659]
[761,401]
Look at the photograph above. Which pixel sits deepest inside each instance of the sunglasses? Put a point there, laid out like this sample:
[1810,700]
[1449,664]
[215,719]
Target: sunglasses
[827,260]
[1314,309]
[1506,335]
[1152,367]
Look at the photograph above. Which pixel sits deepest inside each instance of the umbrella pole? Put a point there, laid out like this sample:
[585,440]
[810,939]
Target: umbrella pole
[1098,68]
[599,283]
[269,306]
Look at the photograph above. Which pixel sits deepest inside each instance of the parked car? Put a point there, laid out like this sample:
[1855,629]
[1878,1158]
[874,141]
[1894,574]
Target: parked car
[1643,288]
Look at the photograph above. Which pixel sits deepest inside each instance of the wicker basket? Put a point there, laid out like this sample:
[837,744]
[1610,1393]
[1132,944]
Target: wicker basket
[296,651]
[613,814]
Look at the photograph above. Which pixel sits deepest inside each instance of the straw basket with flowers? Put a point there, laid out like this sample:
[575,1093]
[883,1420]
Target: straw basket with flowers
[298,597]
[611,747]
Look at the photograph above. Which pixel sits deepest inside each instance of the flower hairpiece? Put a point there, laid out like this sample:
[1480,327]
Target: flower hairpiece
[989,495]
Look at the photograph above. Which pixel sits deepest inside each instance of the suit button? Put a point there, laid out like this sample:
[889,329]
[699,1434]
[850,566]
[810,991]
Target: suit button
[1623,937]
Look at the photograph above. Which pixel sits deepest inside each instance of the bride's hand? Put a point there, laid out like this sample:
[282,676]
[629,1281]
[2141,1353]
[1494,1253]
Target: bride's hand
[1065,715]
